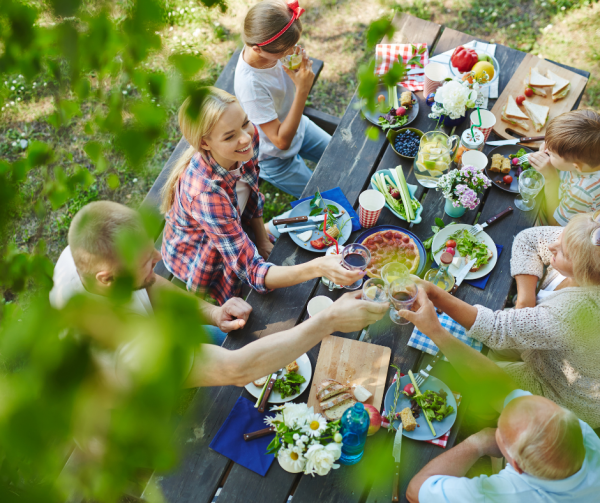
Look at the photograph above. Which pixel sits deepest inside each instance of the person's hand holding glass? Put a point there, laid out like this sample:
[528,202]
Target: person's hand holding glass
[531,182]
[402,293]
[374,290]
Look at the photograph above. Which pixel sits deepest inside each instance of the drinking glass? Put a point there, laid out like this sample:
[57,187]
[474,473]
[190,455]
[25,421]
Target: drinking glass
[392,271]
[355,257]
[530,184]
[374,290]
[402,293]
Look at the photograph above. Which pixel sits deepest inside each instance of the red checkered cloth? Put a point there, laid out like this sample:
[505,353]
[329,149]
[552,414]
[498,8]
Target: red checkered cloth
[387,54]
[441,441]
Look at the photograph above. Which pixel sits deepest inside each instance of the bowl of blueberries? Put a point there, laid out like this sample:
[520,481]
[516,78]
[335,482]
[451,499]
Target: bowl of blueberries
[405,142]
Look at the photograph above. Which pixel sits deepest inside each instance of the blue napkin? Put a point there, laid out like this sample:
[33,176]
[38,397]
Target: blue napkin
[481,282]
[419,340]
[338,196]
[229,440]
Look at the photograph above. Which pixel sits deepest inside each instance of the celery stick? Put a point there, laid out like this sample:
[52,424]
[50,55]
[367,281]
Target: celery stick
[418,392]
[405,199]
[262,393]
[395,93]
[404,187]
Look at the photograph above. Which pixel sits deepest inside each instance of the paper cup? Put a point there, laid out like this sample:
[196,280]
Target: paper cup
[435,75]
[488,121]
[474,158]
[370,204]
[317,304]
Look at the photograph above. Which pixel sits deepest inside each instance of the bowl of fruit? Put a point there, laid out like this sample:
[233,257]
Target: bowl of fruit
[475,66]
[405,142]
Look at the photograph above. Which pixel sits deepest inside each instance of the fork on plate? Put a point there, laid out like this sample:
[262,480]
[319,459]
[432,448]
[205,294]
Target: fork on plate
[523,158]
[423,374]
[477,228]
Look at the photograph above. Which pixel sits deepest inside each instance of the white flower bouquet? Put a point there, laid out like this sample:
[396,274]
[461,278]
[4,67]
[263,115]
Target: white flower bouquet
[461,186]
[453,99]
[304,441]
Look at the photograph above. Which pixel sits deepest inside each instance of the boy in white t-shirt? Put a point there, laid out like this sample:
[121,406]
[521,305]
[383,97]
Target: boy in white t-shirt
[274,96]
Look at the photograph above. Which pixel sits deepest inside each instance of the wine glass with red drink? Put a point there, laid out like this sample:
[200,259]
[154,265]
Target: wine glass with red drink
[355,257]
[402,293]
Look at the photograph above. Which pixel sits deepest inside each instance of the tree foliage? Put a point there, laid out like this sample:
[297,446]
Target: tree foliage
[51,391]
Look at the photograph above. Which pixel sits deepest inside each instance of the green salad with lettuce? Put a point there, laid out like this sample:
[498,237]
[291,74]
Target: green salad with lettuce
[466,244]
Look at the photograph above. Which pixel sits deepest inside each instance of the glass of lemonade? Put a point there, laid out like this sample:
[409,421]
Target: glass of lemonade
[293,61]
[436,151]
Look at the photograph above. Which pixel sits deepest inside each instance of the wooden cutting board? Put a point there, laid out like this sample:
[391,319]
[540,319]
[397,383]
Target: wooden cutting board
[351,362]
[516,87]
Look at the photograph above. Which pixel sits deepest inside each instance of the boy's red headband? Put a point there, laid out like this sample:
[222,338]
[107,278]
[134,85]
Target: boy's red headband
[297,11]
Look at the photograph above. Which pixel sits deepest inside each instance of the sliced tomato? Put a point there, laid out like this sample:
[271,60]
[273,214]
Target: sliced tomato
[319,244]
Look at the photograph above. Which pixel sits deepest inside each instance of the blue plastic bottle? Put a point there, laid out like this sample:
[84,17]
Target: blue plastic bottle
[355,425]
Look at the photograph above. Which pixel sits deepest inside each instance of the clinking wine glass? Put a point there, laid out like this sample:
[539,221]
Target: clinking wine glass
[531,183]
[402,293]
[374,290]
[355,257]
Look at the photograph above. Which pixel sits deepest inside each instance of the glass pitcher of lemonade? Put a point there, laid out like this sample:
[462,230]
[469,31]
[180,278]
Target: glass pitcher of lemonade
[436,151]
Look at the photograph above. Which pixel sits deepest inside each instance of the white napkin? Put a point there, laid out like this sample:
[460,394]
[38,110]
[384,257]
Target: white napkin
[490,91]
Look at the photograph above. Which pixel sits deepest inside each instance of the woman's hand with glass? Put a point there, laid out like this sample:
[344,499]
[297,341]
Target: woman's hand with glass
[331,267]
[373,290]
[402,294]
[422,314]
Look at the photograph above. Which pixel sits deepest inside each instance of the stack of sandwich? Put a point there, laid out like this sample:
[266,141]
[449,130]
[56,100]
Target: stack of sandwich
[538,114]
[540,85]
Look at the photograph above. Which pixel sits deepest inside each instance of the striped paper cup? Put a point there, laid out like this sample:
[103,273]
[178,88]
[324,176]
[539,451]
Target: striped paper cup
[435,74]
[488,121]
[370,204]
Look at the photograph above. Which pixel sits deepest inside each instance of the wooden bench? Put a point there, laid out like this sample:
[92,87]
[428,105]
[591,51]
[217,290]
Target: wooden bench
[225,81]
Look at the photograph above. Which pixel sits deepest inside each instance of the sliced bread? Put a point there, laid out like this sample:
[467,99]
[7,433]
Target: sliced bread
[260,382]
[336,400]
[336,412]
[330,388]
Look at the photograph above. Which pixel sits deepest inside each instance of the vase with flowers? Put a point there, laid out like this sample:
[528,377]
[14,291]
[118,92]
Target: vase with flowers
[461,188]
[452,101]
[304,440]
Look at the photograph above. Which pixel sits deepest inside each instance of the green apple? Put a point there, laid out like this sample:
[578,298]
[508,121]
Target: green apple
[484,57]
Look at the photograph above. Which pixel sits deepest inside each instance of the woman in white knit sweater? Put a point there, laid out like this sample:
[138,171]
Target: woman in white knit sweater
[553,336]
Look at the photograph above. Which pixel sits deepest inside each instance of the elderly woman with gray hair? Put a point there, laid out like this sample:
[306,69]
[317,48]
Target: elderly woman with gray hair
[549,343]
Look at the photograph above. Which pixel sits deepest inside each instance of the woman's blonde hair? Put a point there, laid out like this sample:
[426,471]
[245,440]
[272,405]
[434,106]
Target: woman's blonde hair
[198,116]
[578,247]
[265,20]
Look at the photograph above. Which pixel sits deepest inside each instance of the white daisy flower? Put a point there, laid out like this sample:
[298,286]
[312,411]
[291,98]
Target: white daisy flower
[304,438]
[291,461]
[295,414]
[277,407]
[296,436]
[315,425]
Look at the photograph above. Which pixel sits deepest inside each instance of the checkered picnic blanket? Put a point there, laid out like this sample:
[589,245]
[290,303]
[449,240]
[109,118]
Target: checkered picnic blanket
[490,92]
[420,341]
[441,441]
[386,54]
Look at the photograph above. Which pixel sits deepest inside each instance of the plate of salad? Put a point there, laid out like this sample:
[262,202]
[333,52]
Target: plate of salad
[435,400]
[389,99]
[314,239]
[509,182]
[398,194]
[290,385]
[466,247]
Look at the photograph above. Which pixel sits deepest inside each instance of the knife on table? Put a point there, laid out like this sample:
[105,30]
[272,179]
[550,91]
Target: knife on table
[295,220]
[259,433]
[268,389]
[396,453]
[514,141]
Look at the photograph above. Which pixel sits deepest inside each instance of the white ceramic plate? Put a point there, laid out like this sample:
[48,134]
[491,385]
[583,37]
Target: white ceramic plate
[305,370]
[443,236]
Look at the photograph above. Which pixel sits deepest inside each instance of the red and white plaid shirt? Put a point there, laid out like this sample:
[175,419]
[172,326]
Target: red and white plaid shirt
[204,243]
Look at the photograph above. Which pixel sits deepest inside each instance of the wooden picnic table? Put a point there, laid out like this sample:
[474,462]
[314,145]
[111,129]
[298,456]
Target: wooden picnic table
[348,162]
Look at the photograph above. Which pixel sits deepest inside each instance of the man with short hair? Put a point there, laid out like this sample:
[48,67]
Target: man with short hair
[552,456]
[92,265]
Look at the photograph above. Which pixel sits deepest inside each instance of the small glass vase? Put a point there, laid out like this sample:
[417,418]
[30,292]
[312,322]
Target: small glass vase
[452,211]
[448,122]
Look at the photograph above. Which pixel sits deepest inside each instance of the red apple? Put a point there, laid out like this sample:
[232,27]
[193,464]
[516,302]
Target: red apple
[375,419]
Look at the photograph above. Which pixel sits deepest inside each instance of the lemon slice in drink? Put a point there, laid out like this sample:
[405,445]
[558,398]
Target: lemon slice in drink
[295,61]
[435,173]
[421,167]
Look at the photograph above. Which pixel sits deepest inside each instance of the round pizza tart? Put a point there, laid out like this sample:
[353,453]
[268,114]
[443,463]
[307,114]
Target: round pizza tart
[391,246]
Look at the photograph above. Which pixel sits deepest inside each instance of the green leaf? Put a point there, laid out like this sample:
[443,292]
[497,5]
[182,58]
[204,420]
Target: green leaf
[65,8]
[440,223]
[422,49]
[315,211]
[93,149]
[368,83]
[379,29]
[113,181]
[39,154]
[187,64]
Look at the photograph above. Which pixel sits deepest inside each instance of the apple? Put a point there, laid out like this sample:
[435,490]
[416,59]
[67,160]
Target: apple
[484,57]
[374,419]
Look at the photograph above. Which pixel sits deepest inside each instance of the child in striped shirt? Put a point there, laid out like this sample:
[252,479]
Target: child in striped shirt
[570,162]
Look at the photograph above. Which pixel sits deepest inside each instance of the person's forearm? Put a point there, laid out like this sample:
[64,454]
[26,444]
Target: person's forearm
[258,358]
[461,312]
[257,225]
[526,286]
[283,276]
[456,463]
[289,127]
[552,200]
[485,377]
